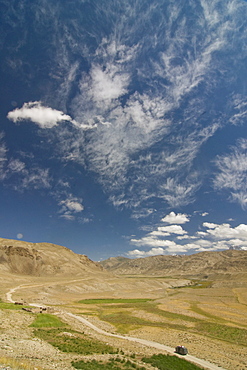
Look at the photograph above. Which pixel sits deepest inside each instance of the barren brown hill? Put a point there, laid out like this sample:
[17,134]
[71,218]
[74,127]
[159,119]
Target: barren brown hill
[204,263]
[41,259]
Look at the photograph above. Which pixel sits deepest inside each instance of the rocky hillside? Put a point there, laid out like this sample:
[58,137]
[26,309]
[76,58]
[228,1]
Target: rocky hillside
[229,261]
[43,259]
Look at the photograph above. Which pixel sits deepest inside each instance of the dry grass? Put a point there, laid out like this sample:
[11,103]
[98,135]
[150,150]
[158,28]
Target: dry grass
[16,364]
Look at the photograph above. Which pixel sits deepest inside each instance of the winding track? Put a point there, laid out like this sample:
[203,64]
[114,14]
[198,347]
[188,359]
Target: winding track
[205,364]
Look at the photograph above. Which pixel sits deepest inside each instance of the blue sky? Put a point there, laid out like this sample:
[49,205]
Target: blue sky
[123,125]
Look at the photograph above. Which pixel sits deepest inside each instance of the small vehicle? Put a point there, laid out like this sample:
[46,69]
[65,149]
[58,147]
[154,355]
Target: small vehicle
[181,350]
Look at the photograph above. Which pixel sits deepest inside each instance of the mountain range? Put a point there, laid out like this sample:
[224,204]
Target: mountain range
[46,259]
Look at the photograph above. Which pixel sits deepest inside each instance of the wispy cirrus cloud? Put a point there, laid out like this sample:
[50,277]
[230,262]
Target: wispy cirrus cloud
[239,104]
[108,84]
[148,90]
[3,156]
[138,122]
[232,173]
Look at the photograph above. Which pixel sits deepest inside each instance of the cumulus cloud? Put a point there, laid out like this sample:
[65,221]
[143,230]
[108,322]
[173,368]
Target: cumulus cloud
[210,225]
[174,218]
[172,229]
[173,239]
[44,117]
[225,231]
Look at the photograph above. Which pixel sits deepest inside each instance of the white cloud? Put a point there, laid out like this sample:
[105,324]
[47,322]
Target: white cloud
[172,229]
[44,117]
[136,253]
[232,173]
[141,120]
[73,205]
[225,231]
[36,178]
[70,207]
[16,165]
[173,239]
[109,84]
[174,218]
[152,241]
[183,237]
[141,98]
[210,225]
[27,177]
[179,193]
[240,105]
[3,157]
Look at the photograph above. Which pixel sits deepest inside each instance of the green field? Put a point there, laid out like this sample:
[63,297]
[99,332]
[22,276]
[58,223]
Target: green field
[114,300]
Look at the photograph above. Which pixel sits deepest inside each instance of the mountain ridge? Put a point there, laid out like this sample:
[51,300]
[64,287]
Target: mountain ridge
[228,261]
[20,257]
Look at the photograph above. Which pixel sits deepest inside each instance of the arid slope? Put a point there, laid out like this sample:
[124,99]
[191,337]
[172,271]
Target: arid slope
[199,264]
[43,259]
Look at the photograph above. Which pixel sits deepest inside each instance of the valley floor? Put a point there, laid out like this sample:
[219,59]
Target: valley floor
[171,318]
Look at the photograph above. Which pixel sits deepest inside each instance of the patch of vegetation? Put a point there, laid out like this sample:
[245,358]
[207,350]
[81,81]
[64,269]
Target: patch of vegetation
[67,340]
[167,314]
[194,307]
[161,362]
[123,321]
[196,284]
[113,364]
[44,320]
[10,306]
[114,300]
[223,332]
[167,362]
[201,284]
[121,317]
